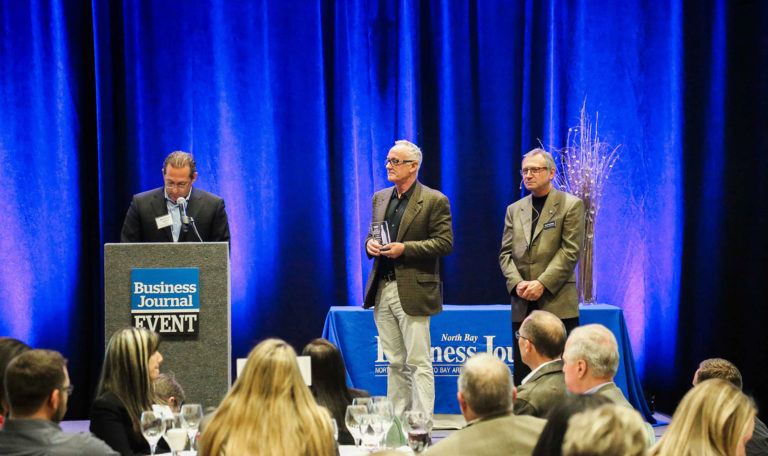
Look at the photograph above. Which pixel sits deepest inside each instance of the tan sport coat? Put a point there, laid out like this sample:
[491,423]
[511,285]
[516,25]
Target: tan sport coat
[426,231]
[549,257]
[507,435]
[542,392]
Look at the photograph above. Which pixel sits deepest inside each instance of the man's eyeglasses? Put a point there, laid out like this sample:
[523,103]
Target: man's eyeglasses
[68,389]
[395,161]
[518,336]
[180,186]
[534,171]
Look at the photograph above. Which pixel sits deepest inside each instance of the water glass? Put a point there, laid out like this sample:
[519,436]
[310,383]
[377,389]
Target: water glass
[353,419]
[192,415]
[175,433]
[152,427]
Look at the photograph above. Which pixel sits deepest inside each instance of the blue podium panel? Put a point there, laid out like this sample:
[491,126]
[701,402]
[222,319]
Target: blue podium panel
[458,332]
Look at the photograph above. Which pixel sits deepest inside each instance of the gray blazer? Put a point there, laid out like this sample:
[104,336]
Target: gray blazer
[491,436]
[542,392]
[550,256]
[427,234]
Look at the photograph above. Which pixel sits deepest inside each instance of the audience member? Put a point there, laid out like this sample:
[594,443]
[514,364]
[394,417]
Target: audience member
[541,340]
[9,348]
[726,370]
[485,395]
[551,439]
[590,362]
[609,430]
[38,388]
[269,410]
[131,363]
[329,383]
[714,418]
[168,392]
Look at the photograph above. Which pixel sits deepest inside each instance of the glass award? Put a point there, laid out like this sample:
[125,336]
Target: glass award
[380,232]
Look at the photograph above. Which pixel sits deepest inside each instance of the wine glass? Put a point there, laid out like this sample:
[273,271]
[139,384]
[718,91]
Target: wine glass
[382,407]
[353,419]
[372,430]
[152,427]
[192,414]
[175,433]
[415,426]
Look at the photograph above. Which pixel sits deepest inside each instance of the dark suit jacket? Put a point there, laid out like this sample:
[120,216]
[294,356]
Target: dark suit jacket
[549,257]
[426,231]
[499,435]
[111,423]
[542,392]
[205,208]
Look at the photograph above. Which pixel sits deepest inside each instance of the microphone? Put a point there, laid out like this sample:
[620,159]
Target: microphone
[182,202]
[185,219]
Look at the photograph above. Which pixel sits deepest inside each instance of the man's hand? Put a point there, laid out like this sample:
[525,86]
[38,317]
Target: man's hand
[373,248]
[521,287]
[533,291]
[393,249]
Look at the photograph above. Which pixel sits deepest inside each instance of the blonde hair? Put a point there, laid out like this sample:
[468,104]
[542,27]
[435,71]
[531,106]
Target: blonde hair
[712,419]
[608,430]
[125,372]
[269,410]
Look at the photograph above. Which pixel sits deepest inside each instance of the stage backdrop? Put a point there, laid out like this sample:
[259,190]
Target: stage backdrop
[290,107]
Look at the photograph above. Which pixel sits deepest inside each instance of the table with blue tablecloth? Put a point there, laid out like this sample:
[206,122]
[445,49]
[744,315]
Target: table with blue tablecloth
[458,332]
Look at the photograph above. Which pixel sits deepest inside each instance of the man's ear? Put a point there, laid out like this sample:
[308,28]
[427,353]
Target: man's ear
[54,399]
[581,368]
[462,402]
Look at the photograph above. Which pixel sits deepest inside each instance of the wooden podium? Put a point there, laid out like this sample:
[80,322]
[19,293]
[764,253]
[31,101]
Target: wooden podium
[200,362]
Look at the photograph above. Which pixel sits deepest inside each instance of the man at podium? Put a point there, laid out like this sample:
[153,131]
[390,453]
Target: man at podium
[176,212]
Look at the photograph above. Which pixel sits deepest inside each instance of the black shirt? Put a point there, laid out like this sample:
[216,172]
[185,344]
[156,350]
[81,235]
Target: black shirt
[393,216]
[537,207]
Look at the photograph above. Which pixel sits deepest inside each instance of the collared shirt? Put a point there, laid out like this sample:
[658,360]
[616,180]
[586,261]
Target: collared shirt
[533,372]
[32,437]
[175,210]
[393,216]
[594,389]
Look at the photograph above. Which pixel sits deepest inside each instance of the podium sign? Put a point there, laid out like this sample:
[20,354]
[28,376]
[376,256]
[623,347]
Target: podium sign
[166,300]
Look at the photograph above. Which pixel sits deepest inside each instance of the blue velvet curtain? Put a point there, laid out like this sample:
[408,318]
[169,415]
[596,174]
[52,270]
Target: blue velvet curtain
[290,108]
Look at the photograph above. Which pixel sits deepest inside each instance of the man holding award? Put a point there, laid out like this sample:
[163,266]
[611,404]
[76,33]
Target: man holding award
[410,231]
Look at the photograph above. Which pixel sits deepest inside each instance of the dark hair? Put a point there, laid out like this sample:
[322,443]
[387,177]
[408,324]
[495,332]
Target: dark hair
[30,379]
[329,382]
[166,387]
[9,348]
[719,368]
[546,332]
[180,159]
[551,439]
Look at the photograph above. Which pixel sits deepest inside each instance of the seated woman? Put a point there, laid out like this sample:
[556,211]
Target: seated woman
[609,430]
[551,439]
[714,418]
[329,383]
[131,362]
[9,348]
[269,410]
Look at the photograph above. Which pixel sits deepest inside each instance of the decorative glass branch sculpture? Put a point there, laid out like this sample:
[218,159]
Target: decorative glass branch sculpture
[585,164]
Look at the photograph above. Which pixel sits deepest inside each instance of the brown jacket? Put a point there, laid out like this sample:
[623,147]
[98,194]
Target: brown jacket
[542,392]
[426,231]
[490,436]
[550,257]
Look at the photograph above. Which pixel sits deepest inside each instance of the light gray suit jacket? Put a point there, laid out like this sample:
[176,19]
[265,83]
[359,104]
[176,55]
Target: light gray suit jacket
[491,436]
[550,256]
[426,231]
[542,392]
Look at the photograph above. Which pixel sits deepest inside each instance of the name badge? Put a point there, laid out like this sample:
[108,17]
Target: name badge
[549,225]
[163,221]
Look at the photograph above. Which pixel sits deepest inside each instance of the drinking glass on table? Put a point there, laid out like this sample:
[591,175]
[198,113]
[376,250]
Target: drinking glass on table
[152,427]
[382,407]
[415,424]
[175,433]
[354,420]
[372,431]
[192,415]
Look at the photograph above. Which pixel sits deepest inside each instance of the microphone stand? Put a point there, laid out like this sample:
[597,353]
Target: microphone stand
[187,221]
